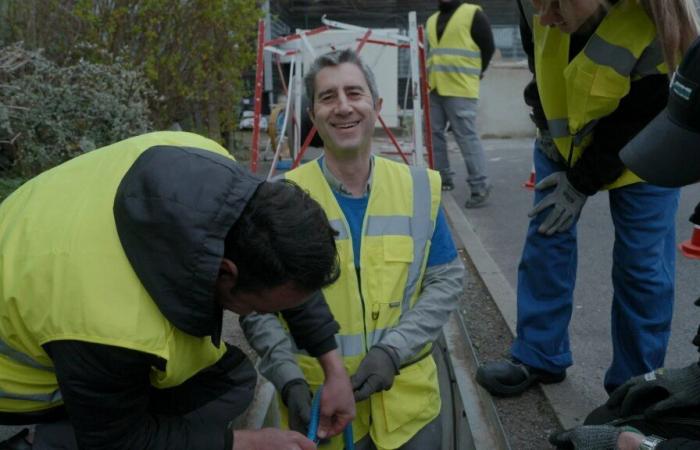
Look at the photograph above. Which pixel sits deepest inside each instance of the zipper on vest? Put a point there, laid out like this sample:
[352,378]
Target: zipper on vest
[362,302]
[364,325]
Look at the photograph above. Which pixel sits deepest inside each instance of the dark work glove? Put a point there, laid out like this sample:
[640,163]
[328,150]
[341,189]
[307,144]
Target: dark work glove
[376,372]
[695,217]
[672,388]
[587,437]
[565,200]
[297,396]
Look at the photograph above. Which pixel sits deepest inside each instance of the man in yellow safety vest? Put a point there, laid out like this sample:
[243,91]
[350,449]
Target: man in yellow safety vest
[400,273]
[461,47]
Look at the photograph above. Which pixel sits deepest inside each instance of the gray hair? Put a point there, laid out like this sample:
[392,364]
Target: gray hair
[336,58]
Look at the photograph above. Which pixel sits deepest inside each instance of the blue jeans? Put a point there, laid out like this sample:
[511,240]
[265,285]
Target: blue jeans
[642,276]
[461,113]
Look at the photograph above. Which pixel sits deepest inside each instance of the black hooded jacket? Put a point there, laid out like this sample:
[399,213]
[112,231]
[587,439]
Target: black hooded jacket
[172,227]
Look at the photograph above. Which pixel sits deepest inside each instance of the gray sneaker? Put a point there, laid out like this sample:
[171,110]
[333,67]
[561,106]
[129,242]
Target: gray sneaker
[478,199]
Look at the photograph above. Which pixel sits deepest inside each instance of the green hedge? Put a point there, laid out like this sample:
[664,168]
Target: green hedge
[49,113]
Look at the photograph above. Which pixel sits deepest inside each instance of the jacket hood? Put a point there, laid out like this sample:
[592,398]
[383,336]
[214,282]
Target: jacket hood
[172,211]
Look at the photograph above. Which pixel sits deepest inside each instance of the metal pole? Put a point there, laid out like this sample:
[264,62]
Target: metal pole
[415,91]
[258,97]
[267,79]
[282,133]
[393,139]
[363,41]
[297,91]
[306,144]
[425,95]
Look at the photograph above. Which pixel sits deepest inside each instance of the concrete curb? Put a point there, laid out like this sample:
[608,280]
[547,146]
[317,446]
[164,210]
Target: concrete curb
[568,407]
[483,429]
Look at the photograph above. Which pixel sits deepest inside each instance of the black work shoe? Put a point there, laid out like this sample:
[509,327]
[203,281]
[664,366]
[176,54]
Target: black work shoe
[447,184]
[478,198]
[17,442]
[508,378]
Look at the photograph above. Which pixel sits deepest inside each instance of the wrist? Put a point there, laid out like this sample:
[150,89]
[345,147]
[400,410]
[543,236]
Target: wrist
[286,390]
[331,363]
[243,440]
[628,440]
[392,353]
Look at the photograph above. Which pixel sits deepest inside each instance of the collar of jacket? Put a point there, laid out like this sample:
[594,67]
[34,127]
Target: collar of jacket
[337,186]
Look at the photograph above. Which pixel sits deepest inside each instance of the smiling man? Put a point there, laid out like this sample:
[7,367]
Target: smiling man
[400,273]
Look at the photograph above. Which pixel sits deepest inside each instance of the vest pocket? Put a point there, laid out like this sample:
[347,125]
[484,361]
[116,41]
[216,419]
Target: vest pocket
[414,398]
[609,84]
[398,256]
[592,92]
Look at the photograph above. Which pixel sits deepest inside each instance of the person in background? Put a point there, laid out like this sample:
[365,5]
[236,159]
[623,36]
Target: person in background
[461,47]
[601,74]
[116,267]
[660,409]
[401,274]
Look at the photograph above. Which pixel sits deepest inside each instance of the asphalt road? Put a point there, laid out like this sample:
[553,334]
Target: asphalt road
[501,227]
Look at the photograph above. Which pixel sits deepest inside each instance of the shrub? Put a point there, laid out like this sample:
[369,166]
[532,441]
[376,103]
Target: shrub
[49,113]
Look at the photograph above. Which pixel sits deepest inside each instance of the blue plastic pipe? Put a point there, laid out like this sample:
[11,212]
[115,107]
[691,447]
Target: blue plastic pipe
[313,424]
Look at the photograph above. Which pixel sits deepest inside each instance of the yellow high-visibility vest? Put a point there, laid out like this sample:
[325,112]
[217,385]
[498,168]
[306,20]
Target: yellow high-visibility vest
[576,94]
[65,276]
[396,234]
[454,61]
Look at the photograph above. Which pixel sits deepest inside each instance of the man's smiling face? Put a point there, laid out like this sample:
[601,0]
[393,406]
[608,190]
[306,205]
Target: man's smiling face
[343,110]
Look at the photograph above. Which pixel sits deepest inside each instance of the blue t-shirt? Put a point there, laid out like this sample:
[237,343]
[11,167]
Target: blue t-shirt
[442,249]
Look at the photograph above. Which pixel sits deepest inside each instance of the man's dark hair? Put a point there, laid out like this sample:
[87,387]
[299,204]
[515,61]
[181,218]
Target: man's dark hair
[282,235]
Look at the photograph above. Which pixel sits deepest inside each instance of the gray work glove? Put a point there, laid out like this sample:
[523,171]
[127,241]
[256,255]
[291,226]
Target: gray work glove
[376,372]
[297,397]
[659,391]
[565,200]
[587,437]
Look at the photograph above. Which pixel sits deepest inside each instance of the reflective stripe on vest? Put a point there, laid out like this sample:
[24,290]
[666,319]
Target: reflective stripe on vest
[339,227]
[651,62]
[454,60]
[450,69]
[50,397]
[21,357]
[352,345]
[422,226]
[576,94]
[454,52]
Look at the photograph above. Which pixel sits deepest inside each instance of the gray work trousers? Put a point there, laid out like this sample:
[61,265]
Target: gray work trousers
[461,113]
[428,438]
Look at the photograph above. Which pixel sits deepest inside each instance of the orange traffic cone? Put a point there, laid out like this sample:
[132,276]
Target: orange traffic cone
[530,183]
[691,247]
